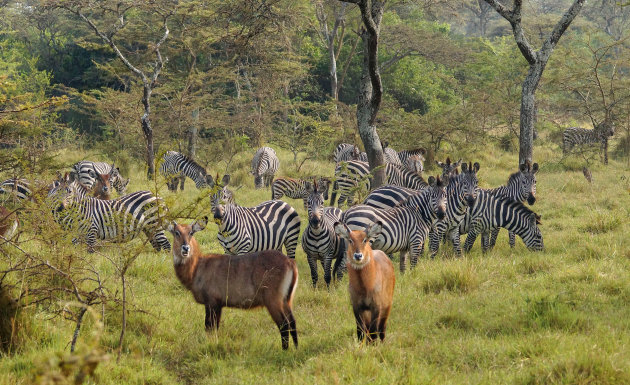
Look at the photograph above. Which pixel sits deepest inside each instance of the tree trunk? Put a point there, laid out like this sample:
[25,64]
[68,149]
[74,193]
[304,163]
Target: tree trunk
[334,91]
[147,131]
[528,114]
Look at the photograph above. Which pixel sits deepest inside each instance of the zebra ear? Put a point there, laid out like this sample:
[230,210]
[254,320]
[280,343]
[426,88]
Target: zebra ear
[476,166]
[72,176]
[226,180]
[309,187]
[431,181]
[342,230]
[533,219]
[522,167]
[91,173]
[374,230]
[465,167]
[113,170]
[439,163]
[534,168]
[459,162]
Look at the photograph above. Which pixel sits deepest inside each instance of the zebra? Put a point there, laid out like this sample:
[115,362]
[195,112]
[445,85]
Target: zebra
[18,188]
[405,227]
[264,166]
[297,188]
[346,151]
[319,240]
[404,155]
[118,220]
[415,163]
[354,174]
[449,168]
[176,165]
[521,187]
[264,227]
[576,136]
[461,193]
[220,194]
[390,155]
[84,167]
[491,211]
[388,196]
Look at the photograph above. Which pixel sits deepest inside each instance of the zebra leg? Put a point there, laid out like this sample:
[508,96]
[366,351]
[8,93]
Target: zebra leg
[512,239]
[326,262]
[494,233]
[434,242]
[340,263]
[403,259]
[470,240]
[312,263]
[455,239]
[290,244]
[485,241]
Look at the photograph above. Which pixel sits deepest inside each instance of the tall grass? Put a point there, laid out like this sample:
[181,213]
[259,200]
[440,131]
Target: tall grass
[511,316]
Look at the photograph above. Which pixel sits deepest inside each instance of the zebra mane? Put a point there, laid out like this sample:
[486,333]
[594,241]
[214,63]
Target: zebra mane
[416,151]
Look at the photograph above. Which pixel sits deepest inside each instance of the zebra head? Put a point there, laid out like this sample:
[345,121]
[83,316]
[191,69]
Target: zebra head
[120,184]
[323,185]
[606,128]
[415,163]
[468,182]
[534,239]
[523,183]
[315,203]
[65,191]
[448,168]
[220,194]
[437,196]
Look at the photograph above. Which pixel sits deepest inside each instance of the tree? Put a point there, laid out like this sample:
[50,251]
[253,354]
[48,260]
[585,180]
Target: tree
[537,62]
[371,87]
[149,79]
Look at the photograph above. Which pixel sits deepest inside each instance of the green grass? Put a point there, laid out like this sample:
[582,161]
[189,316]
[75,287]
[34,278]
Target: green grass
[512,316]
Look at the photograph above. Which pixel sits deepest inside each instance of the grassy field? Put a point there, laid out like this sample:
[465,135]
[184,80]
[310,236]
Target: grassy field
[512,316]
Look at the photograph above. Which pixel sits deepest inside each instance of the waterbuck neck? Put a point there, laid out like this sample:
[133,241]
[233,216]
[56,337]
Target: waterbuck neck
[185,268]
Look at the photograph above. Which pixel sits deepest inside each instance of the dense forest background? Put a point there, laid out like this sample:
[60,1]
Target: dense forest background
[228,75]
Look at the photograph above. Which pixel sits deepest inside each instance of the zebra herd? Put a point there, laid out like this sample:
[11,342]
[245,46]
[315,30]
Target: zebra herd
[410,208]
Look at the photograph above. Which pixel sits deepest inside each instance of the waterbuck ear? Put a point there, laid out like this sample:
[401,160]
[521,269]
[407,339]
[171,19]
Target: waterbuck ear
[431,181]
[374,230]
[342,230]
[199,225]
[476,166]
[535,168]
[170,226]
[226,180]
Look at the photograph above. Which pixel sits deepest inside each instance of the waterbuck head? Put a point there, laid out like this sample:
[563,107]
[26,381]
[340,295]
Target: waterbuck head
[183,247]
[359,248]
[469,183]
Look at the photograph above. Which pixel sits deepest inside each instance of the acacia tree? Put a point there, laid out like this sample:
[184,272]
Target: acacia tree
[537,62]
[149,78]
[371,87]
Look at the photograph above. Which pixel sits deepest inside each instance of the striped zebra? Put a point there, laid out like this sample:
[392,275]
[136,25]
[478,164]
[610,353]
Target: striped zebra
[118,220]
[492,211]
[390,155]
[86,171]
[220,194]
[461,191]
[176,165]
[576,136]
[448,168]
[297,188]
[264,166]
[521,187]
[18,188]
[346,151]
[415,163]
[319,240]
[388,196]
[353,175]
[418,153]
[405,227]
[264,227]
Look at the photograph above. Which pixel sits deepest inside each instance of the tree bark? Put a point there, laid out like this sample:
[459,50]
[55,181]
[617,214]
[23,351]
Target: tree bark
[371,88]
[537,61]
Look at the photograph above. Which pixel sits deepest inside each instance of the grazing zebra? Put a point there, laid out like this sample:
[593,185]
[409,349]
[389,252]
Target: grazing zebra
[491,211]
[404,155]
[346,151]
[118,220]
[297,188]
[264,166]
[390,155]
[388,196]
[521,187]
[220,193]
[319,240]
[405,227]
[87,179]
[19,188]
[449,168]
[351,175]
[265,227]
[576,136]
[176,165]
[461,194]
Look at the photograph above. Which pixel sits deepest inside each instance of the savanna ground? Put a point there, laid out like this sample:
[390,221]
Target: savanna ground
[511,316]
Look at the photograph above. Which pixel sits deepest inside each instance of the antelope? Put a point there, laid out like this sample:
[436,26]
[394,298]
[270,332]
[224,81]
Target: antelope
[371,280]
[265,278]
